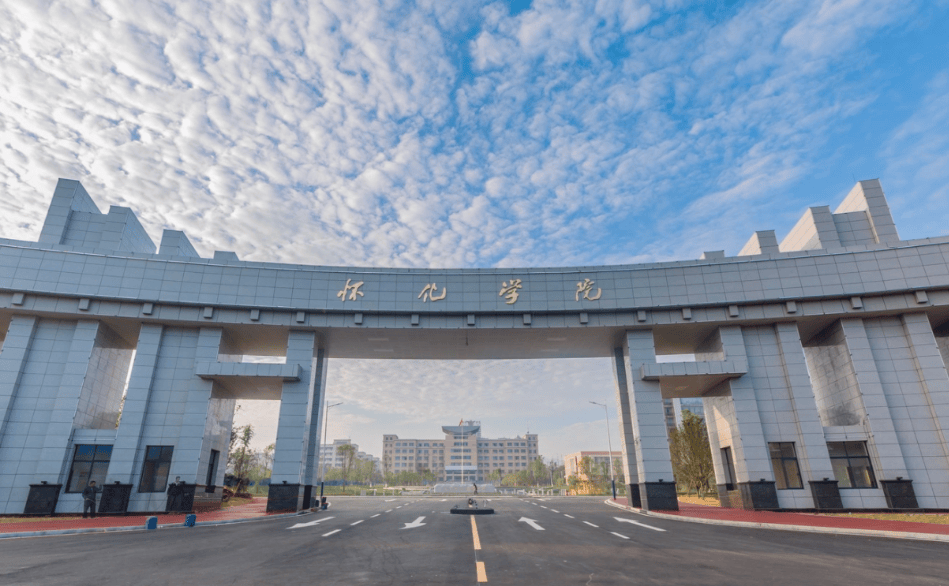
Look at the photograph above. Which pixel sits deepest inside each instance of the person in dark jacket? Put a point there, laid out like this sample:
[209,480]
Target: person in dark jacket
[175,494]
[89,499]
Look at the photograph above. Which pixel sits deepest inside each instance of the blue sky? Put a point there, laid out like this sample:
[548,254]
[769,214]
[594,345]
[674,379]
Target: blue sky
[475,134]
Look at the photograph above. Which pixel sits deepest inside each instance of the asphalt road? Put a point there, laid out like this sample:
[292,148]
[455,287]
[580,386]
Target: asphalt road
[414,541]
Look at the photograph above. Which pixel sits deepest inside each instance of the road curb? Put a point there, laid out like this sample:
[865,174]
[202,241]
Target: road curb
[129,528]
[799,528]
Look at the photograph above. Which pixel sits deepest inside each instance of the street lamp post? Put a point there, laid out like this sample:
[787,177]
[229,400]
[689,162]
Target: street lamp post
[326,418]
[609,442]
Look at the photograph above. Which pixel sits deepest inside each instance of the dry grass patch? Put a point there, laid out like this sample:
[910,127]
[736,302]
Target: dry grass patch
[938,518]
[693,499]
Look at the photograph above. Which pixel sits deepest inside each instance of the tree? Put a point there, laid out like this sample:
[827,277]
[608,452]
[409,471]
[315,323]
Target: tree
[692,454]
[348,452]
[240,457]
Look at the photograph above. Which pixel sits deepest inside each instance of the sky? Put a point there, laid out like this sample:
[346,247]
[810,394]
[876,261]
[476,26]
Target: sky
[472,134]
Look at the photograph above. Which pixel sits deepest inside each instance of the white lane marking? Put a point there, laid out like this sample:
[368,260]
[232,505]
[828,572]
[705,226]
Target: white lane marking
[414,524]
[624,520]
[332,532]
[374,516]
[389,500]
[389,511]
[543,507]
[311,523]
[591,524]
[357,522]
[570,516]
[443,500]
[619,534]
[555,510]
[530,522]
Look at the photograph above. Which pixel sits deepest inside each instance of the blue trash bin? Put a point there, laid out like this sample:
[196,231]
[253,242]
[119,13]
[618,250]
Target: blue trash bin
[151,523]
[190,519]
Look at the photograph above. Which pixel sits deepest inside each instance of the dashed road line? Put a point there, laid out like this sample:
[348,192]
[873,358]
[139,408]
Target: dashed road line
[357,522]
[619,534]
[389,511]
[474,533]
[374,516]
[482,575]
[555,510]
[332,532]
[591,524]
[570,516]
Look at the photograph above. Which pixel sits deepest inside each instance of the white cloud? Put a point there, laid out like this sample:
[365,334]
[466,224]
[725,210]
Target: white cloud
[435,134]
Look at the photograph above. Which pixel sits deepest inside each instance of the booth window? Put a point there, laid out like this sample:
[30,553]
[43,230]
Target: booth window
[89,462]
[784,461]
[851,463]
[155,468]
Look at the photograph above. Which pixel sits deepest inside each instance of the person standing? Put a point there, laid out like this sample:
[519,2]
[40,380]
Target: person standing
[89,499]
[175,494]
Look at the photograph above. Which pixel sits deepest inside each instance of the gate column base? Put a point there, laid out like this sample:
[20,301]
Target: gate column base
[659,496]
[284,497]
[633,498]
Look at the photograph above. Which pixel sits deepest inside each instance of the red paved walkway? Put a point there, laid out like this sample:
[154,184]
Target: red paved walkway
[256,508]
[805,519]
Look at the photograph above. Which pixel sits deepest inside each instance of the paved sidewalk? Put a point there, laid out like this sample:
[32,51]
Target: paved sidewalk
[808,522]
[252,510]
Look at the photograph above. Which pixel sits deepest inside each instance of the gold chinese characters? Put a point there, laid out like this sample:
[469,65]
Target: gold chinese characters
[509,290]
[352,289]
[586,287]
[428,293]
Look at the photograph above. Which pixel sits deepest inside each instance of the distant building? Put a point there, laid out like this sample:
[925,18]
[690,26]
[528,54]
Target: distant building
[463,455]
[331,457]
[693,404]
[571,462]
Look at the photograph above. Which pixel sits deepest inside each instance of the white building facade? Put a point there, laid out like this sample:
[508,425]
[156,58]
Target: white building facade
[462,455]
[820,360]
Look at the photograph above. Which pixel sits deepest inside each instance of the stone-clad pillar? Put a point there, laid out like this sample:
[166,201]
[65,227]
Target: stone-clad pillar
[54,455]
[297,405]
[129,434]
[628,438]
[755,478]
[315,423]
[812,456]
[935,386]
[879,421]
[654,465]
[187,457]
[16,348]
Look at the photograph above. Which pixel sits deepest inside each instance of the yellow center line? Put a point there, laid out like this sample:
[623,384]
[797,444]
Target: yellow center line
[479,566]
[482,576]
[474,533]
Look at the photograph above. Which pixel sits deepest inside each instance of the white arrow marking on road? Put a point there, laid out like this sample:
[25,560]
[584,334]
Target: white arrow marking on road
[619,534]
[530,522]
[623,520]
[591,524]
[310,524]
[332,532]
[414,524]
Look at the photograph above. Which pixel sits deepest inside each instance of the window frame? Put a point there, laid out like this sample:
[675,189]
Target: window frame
[850,469]
[783,460]
[156,471]
[92,465]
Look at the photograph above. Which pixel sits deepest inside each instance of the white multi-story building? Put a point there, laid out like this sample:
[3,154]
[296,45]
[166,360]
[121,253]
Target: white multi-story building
[463,455]
[331,457]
